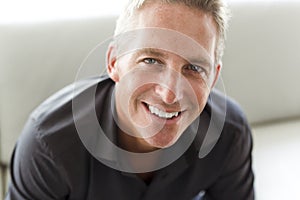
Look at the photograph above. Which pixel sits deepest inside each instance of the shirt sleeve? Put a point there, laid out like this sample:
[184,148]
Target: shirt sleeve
[35,175]
[236,179]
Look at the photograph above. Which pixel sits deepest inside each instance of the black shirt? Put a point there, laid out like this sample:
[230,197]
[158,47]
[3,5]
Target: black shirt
[50,161]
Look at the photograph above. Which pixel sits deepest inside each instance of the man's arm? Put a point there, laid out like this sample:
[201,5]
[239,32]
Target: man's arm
[34,173]
[236,180]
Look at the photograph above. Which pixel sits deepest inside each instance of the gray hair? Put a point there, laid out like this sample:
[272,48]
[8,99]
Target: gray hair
[216,8]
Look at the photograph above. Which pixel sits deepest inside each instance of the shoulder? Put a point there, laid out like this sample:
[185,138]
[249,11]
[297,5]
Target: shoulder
[228,123]
[227,132]
[226,150]
[222,126]
[50,145]
[52,122]
[63,98]
[228,108]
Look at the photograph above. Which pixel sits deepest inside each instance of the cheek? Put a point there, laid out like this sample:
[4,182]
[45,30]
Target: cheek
[132,89]
[202,99]
[134,83]
[124,65]
[202,92]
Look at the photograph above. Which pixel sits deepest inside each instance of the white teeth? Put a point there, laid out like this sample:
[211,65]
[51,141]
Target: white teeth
[161,113]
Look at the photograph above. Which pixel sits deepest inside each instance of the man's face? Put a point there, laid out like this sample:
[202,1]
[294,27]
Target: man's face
[163,72]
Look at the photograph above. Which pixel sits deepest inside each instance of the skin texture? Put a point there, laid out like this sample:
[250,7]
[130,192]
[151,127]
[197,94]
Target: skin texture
[162,77]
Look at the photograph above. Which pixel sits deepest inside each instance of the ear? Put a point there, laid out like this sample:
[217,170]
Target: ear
[111,67]
[217,73]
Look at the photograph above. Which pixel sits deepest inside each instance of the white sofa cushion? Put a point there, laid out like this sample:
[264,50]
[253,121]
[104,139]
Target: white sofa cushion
[276,160]
[36,61]
[261,62]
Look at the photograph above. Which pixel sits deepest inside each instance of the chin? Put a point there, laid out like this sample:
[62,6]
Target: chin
[161,142]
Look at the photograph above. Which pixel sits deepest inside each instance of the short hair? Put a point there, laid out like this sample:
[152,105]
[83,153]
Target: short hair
[216,8]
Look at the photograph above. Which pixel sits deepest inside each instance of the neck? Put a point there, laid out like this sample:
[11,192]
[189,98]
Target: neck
[137,145]
[134,144]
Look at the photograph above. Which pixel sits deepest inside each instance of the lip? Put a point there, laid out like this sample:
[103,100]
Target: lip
[171,121]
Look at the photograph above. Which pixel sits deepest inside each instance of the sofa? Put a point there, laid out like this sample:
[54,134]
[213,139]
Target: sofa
[261,68]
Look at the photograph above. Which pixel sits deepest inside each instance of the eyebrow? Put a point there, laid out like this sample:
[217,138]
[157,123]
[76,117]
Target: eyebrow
[151,51]
[201,61]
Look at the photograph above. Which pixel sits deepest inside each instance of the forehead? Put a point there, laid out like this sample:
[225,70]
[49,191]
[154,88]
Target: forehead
[190,21]
[162,40]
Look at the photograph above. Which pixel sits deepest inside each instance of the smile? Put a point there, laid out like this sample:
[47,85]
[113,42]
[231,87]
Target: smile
[162,114]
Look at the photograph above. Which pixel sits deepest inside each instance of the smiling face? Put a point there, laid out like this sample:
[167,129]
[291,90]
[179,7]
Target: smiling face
[164,74]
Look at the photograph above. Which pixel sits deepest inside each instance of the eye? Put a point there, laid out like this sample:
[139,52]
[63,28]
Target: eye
[150,61]
[195,71]
[195,68]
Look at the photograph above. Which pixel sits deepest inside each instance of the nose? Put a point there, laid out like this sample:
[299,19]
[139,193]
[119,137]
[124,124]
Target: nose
[169,89]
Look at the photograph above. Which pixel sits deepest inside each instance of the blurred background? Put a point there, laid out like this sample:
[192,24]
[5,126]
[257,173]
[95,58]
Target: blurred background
[43,44]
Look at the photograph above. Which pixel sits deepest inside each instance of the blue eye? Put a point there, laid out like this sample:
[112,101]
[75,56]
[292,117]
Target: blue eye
[195,68]
[150,61]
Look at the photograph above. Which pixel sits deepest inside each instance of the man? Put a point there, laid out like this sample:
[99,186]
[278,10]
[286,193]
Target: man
[153,129]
